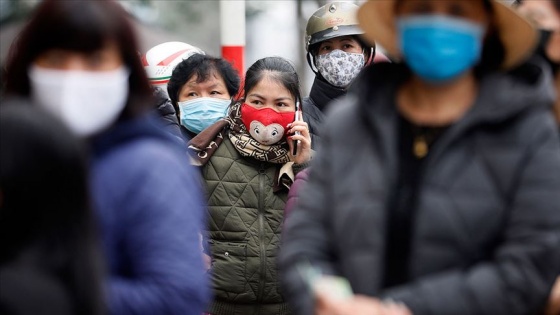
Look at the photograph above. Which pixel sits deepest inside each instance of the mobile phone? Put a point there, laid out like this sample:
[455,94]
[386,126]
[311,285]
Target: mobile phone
[335,287]
[296,118]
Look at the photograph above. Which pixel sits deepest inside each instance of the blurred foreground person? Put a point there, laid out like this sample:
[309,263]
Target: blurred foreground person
[159,62]
[437,187]
[336,54]
[248,165]
[49,262]
[78,60]
[201,89]
[545,14]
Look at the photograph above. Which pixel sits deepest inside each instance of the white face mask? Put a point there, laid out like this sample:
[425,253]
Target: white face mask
[87,101]
[339,68]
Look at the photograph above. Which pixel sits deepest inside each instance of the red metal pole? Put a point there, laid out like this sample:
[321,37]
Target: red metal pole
[232,27]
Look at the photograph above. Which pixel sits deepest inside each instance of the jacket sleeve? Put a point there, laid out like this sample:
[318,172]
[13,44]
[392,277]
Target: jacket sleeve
[295,190]
[162,217]
[314,119]
[305,238]
[523,269]
[167,113]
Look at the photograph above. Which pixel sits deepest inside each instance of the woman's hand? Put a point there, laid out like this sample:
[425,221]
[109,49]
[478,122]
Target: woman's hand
[553,306]
[303,153]
[358,304]
[207,262]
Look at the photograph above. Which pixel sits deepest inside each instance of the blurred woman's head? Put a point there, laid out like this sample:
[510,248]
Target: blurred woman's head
[44,202]
[79,59]
[201,88]
[545,15]
[469,27]
[443,40]
[271,91]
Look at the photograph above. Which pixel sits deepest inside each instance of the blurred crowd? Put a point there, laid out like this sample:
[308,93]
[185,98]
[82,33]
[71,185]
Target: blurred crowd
[420,176]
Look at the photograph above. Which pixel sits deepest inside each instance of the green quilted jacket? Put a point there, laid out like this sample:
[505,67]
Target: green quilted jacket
[244,226]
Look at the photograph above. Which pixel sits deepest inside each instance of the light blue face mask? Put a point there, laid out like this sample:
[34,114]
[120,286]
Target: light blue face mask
[200,113]
[439,48]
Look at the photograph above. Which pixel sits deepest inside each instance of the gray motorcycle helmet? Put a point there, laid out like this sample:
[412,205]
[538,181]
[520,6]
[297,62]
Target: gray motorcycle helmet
[332,20]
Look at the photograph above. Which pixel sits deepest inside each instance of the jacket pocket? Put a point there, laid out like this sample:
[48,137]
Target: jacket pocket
[228,266]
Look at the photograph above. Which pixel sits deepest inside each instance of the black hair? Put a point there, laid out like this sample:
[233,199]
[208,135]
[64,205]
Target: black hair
[44,203]
[82,26]
[278,69]
[314,49]
[203,66]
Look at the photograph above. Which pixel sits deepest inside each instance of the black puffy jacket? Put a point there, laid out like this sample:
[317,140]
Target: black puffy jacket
[485,238]
[315,106]
[167,113]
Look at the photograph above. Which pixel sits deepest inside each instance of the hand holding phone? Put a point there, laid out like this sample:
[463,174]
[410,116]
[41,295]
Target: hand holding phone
[297,117]
[333,287]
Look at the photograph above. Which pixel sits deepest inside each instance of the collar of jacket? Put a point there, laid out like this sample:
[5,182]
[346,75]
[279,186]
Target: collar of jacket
[502,96]
[146,126]
[322,93]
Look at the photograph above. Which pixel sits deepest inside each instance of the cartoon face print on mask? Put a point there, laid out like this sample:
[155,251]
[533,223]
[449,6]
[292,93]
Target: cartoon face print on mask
[269,108]
[265,125]
[266,134]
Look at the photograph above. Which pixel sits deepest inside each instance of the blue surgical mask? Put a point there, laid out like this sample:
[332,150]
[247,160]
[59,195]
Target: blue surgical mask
[439,48]
[200,113]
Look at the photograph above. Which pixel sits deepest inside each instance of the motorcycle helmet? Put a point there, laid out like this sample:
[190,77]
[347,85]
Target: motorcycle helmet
[332,20]
[161,59]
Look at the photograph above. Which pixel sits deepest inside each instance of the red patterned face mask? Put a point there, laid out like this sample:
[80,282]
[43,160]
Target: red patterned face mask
[266,125]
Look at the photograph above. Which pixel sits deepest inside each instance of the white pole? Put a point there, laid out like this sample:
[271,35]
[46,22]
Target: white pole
[232,30]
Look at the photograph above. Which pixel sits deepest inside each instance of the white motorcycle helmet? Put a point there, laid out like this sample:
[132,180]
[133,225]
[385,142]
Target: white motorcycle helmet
[160,61]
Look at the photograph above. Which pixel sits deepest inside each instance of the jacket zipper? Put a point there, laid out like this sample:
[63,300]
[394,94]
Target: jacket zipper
[261,234]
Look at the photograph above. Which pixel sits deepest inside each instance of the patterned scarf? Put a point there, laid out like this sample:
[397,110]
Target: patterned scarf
[207,142]
[249,147]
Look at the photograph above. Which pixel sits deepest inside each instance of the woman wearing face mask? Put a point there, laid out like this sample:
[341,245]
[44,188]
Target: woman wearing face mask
[159,62]
[448,203]
[247,162]
[201,88]
[336,54]
[78,60]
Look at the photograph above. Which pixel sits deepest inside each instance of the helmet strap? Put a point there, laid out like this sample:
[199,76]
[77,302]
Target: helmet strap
[311,63]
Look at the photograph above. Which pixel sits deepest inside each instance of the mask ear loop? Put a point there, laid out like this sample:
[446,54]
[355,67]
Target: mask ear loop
[371,56]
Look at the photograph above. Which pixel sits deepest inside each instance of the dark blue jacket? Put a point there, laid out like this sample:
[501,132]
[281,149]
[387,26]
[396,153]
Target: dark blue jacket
[150,211]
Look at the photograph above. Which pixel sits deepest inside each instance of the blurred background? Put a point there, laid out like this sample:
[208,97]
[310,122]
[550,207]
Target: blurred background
[273,27]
